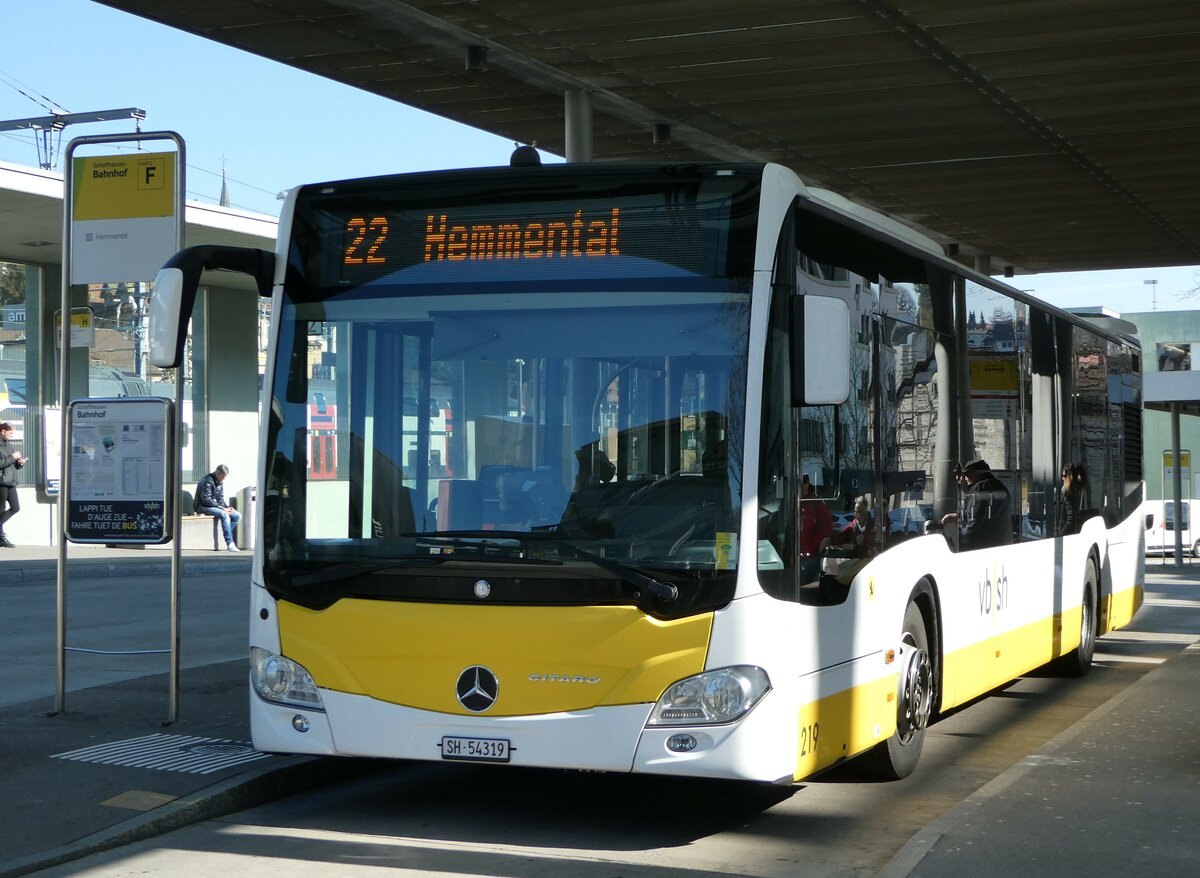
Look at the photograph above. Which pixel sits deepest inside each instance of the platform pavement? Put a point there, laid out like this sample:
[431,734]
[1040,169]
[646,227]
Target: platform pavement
[54,809]
[35,563]
[1114,795]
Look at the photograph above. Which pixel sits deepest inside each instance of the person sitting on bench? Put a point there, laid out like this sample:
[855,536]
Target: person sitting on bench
[210,500]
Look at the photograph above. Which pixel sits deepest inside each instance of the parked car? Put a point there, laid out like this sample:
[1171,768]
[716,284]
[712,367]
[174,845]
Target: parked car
[1160,527]
[908,520]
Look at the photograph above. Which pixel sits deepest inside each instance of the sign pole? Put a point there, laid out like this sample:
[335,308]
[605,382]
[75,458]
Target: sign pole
[64,392]
[177,464]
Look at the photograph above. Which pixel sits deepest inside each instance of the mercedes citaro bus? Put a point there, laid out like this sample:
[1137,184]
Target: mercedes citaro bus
[667,383]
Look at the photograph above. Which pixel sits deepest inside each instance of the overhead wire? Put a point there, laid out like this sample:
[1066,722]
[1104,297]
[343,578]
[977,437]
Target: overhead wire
[40,100]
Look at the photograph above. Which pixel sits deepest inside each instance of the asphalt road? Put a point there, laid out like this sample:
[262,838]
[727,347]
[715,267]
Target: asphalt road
[479,820]
[117,615]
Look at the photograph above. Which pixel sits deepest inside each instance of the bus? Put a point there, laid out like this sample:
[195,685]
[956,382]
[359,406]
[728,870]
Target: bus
[662,380]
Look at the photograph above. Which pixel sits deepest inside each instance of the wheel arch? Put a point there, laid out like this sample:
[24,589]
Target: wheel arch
[925,595]
[1103,590]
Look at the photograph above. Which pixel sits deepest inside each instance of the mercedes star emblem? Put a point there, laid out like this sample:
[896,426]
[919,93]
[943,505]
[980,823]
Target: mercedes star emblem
[483,588]
[477,688]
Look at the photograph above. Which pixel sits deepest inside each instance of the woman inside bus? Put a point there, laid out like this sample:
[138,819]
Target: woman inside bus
[1073,499]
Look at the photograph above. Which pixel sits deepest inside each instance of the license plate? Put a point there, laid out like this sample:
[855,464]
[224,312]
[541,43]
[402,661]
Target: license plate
[476,749]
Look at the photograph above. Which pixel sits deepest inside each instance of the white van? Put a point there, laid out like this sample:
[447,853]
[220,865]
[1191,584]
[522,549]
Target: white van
[1160,527]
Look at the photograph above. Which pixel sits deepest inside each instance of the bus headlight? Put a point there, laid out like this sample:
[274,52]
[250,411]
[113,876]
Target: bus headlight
[279,679]
[720,696]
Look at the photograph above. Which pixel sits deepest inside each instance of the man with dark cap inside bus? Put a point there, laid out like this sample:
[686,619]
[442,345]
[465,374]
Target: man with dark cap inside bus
[986,509]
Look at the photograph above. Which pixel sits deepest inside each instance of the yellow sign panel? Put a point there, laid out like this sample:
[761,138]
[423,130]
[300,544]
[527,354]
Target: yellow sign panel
[994,376]
[1185,459]
[83,328]
[124,187]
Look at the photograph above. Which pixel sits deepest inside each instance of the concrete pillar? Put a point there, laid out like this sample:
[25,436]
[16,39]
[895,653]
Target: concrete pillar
[966,431]
[946,349]
[229,388]
[577,105]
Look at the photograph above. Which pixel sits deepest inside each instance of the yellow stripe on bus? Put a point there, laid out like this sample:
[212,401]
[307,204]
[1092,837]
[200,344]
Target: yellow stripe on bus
[1123,605]
[981,667]
[546,659]
[844,724]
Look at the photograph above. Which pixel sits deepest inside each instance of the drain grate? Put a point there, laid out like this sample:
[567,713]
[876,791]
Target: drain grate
[183,753]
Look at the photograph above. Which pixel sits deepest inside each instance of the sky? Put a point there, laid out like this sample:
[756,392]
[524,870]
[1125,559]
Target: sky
[273,127]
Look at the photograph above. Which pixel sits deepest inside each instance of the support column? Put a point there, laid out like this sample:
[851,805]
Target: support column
[946,353]
[966,429]
[1177,485]
[577,105]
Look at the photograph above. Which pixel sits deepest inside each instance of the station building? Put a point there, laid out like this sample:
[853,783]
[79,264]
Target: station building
[1171,365]
[223,367]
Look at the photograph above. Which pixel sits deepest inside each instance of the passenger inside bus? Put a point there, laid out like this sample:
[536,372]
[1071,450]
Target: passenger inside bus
[986,519]
[816,531]
[860,532]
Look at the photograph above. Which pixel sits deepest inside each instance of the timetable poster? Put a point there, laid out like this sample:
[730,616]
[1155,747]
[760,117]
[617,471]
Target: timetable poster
[119,473]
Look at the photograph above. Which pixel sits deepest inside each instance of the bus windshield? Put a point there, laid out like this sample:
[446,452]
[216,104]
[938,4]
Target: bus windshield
[557,409]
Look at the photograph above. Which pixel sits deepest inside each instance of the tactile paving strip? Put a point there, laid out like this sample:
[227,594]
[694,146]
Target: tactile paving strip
[183,753]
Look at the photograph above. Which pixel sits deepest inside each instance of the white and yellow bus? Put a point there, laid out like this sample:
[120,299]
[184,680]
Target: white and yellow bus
[667,385]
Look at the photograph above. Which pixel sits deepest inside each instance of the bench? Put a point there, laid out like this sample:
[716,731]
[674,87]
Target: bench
[200,532]
[194,528]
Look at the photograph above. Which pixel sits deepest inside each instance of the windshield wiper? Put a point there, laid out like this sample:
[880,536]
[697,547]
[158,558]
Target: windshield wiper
[648,588]
[351,569]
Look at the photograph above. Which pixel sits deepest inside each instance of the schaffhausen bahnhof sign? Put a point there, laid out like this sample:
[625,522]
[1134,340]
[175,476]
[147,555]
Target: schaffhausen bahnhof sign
[123,223]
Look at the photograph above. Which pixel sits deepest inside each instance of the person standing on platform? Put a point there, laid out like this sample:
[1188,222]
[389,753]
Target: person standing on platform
[11,460]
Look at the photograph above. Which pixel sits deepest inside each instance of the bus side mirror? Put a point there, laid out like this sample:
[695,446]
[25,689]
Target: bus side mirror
[165,307]
[176,286]
[1149,520]
[821,350]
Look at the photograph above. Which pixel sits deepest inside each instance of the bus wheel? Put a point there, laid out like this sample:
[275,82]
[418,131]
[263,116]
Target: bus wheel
[897,757]
[1196,549]
[1079,661]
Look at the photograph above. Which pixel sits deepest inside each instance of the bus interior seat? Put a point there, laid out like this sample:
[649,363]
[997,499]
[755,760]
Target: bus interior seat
[389,520]
[459,505]
[529,496]
[489,489]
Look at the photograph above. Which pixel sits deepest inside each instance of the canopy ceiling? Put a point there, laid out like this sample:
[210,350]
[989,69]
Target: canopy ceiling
[1044,134]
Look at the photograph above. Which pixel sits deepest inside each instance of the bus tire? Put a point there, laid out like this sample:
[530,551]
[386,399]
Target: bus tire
[1196,549]
[1079,661]
[897,757]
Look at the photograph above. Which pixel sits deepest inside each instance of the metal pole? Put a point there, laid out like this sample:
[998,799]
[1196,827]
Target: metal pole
[177,454]
[64,391]
[1177,485]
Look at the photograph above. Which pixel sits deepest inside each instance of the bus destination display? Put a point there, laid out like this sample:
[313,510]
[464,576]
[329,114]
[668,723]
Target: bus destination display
[345,240]
[447,237]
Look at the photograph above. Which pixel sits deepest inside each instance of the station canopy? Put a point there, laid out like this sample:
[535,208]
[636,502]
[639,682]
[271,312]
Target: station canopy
[1046,135]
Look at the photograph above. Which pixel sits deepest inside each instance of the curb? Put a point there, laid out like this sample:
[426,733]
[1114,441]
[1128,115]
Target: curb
[295,774]
[47,571]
